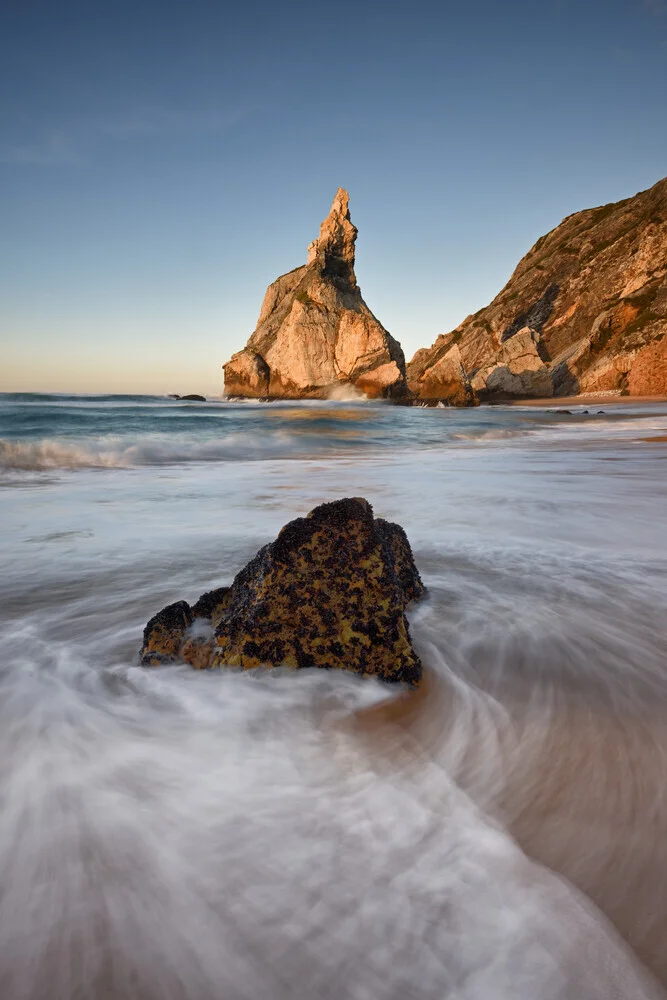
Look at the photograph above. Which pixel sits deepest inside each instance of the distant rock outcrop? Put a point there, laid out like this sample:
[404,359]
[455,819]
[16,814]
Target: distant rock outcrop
[441,379]
[584,311]
[330,591]
[315,332]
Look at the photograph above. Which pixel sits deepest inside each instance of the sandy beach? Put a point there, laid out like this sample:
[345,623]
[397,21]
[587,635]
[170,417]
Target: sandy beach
[595,399]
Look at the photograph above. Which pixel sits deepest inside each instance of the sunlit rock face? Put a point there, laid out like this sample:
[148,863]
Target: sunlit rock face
[520,369]
[584,311]
[315,333]
[330,591]
[444,379]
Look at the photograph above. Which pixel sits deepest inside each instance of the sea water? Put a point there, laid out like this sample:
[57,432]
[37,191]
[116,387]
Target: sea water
[167,834]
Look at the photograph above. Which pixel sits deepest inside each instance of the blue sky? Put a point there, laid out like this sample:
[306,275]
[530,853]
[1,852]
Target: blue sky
[160,164]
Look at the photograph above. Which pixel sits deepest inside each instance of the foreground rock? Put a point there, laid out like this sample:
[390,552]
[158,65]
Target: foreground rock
[315,333]
[584,311]
[330,591]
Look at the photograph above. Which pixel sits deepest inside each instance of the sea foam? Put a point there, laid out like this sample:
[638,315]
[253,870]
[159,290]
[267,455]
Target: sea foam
[182,835]
[116,453]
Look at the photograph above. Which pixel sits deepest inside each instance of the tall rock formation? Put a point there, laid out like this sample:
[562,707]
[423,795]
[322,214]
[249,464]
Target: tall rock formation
[584,311]
[315,332]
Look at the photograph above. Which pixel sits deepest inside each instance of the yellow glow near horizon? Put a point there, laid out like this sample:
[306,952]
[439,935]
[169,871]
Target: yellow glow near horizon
[75,379]
[133,372]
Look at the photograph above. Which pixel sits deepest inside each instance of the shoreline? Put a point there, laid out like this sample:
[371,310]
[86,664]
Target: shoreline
[552,402]
[541,402]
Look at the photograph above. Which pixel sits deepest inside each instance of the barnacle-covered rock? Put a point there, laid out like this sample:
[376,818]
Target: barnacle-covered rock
[330,591]
[212,604]
[197,649]
[181,632]
[164,633]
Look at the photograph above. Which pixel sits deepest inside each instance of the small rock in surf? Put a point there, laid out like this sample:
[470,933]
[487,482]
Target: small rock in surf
[330,591]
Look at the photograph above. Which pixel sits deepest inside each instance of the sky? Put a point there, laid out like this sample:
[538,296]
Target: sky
[162,163]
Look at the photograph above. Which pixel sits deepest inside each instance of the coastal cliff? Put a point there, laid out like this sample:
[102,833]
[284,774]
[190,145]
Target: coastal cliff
[315,333]
[584,311]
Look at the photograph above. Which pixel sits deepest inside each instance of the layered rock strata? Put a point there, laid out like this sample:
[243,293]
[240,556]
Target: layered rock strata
[330,591]
[584,311]
[315,332]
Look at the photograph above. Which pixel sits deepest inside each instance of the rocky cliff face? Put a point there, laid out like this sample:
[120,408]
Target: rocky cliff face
[584,311]
[315,332]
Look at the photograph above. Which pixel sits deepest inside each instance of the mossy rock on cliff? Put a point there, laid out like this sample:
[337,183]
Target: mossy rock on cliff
[330,591]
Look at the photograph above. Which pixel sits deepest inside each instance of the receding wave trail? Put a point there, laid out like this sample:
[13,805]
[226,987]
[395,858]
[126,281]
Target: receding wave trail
[178,835]
[173,835]
[239,838]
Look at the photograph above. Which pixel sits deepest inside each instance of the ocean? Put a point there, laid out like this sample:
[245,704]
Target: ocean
[500,834]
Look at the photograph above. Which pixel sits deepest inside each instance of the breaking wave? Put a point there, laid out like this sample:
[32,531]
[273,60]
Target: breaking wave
[41,433]
[119,453]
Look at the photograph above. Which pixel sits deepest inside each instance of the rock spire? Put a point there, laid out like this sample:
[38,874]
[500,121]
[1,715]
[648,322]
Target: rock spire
[334,247]
[315,334]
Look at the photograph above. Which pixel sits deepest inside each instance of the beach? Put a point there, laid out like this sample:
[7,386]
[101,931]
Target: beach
[185,835]
[589,399]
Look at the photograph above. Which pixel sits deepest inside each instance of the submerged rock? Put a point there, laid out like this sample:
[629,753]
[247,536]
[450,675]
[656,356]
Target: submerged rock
[330,591]
[315,332]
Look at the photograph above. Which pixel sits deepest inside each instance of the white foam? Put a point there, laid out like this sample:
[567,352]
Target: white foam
[346,393]
[168,835]
[115,452]
[178,835]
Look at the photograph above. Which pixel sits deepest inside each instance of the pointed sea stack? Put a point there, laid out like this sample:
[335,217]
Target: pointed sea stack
[315,333]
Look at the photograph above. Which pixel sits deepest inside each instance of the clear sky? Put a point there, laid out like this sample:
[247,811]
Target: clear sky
[161,163]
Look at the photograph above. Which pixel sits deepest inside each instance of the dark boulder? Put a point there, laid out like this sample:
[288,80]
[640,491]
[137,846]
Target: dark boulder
[330,591]
[164,634]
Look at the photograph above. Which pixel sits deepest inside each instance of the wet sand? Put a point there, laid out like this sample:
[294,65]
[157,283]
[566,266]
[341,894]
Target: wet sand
[579,782]
[584,400]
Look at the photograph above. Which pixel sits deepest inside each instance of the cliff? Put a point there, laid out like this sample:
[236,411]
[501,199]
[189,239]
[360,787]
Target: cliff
[315,333]
[584,311]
